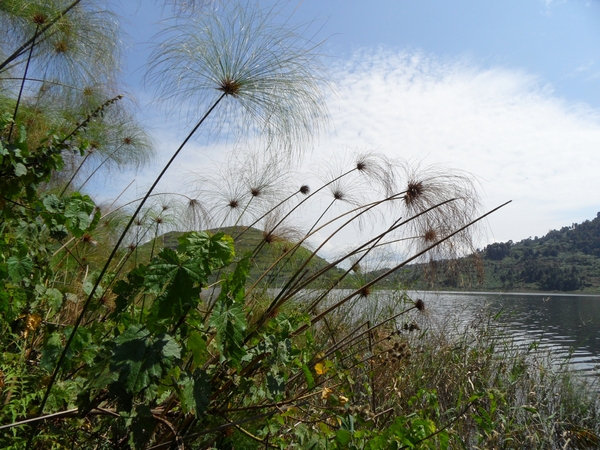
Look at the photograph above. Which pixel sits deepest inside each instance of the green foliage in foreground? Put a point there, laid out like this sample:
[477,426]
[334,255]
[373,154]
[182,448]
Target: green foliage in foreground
[163,359]
[264,255]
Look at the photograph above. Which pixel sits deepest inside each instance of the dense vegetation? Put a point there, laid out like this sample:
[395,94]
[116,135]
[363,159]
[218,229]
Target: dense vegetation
[565,260]
[112,340]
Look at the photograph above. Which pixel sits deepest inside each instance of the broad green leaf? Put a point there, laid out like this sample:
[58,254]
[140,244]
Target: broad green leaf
[53,204]
[141,359]
[127,290]
[177,280]
[54,298]
[185,391]
[228,316]
[215,250]
[78,213]
[19,268]
[51,350]
[197,346]
[343,437]
[230,323]
[275,385]
[20,169]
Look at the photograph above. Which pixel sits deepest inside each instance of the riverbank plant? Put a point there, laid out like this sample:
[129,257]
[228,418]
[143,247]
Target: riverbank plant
[113,339]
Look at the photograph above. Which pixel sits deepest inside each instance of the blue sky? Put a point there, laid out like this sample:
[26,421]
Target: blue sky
[559,41]
[506,90]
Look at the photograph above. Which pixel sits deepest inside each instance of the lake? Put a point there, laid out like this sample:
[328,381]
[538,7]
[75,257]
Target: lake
[566,325]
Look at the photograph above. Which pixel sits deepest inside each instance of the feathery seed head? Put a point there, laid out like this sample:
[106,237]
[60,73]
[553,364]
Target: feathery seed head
[430,235]
[39,18]
[365,292]
[230,87]
[338,194]
[269,73]
[361,165]
[439,201]
[61,46]
[88,239]
[414,190]
[420,304]
[269,237]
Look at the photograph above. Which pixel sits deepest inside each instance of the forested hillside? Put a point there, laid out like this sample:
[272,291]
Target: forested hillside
[565,260]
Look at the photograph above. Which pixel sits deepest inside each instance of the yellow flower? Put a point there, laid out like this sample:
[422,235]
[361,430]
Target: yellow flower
[320,368]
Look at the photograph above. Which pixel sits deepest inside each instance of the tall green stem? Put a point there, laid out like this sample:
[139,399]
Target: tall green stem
[107,264]
[18,52]
[23,83]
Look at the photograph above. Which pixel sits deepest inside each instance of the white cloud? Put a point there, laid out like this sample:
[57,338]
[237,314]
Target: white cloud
[504,126]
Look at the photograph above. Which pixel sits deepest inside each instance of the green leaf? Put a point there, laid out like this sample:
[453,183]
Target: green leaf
[141,358]
[343,437]
[54,298]
[142,427]
[216,251]
[177,278]
[230,323]
[310,380]
[127,290]
[78,213]
[197,346]
[53,204]
[20,169]
[275,385]
[228,316]
[19,268]
[51,351]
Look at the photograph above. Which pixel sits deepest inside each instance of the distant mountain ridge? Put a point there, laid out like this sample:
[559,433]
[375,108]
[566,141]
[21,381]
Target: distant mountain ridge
[563,260]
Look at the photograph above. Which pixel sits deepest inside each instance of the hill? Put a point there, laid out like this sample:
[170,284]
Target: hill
[271,250]
[565,260]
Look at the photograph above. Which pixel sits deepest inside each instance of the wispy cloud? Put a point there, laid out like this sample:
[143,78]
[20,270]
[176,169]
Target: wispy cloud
[504,126]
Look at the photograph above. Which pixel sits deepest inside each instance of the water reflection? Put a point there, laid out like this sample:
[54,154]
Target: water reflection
[566,325]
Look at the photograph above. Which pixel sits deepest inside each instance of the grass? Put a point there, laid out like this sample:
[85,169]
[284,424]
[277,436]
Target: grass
[476,385]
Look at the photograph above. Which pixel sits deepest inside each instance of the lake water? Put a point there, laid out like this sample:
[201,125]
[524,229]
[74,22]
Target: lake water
[566,325]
